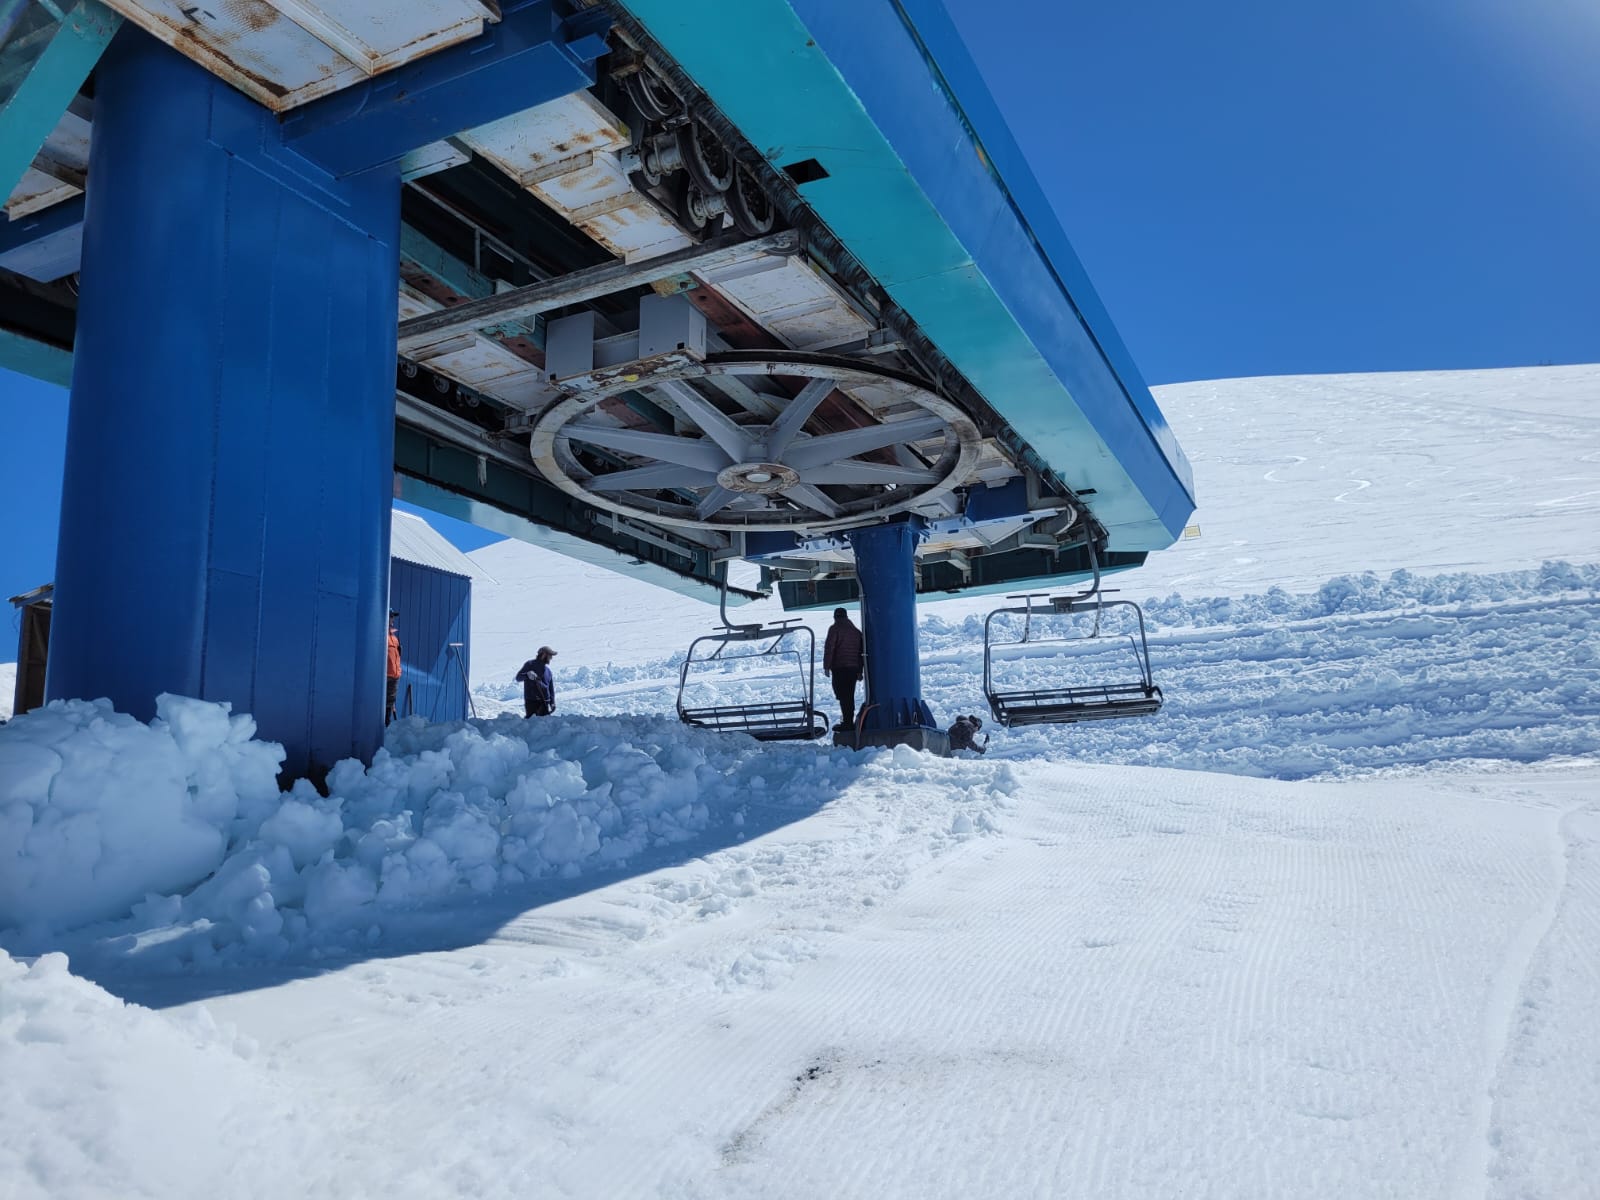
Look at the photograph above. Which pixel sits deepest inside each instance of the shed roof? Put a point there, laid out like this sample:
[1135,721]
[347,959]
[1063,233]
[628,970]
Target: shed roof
[415,541]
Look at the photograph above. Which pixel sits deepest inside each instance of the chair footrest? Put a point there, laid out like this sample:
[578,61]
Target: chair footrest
[766,722]
[1065,706]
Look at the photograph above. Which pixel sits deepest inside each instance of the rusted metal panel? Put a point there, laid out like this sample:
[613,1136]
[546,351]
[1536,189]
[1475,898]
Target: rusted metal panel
[37,191]
[791,299]
[565,153]
[512,373]
[530,143]
[284,53]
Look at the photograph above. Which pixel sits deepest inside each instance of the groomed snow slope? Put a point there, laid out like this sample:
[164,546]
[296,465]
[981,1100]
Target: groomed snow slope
[606,956]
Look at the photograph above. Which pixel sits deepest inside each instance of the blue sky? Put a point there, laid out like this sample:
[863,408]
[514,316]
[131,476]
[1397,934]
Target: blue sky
[1260,187]
[1256,187]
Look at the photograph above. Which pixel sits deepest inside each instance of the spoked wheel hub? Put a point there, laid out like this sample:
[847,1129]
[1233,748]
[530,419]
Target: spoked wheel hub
[756,441]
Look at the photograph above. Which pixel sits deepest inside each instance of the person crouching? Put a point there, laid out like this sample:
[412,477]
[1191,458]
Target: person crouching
[963,735]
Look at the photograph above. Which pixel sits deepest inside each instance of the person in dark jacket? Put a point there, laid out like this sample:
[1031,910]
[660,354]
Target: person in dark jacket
[392,670]
[843,653]
[963,735]
[538,684]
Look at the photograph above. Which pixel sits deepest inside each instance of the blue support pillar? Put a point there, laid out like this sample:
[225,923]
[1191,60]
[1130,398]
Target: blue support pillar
[886,569]
[229,467]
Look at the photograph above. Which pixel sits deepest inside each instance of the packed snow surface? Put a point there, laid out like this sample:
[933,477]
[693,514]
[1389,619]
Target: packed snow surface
[1347,949]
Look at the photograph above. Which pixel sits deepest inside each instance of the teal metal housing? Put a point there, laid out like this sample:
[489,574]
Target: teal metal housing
[859,105]
[45,61]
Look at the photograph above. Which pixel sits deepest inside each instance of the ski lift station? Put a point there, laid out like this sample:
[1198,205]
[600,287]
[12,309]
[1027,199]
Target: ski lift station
[659,283]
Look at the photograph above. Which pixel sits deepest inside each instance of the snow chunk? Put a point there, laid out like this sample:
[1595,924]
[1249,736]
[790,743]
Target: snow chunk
[98,809]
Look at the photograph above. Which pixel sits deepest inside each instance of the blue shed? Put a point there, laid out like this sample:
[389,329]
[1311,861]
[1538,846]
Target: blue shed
[430,583]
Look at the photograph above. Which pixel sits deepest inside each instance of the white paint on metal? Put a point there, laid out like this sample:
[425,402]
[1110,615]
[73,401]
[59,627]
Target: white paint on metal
[284,53]
[58,169]
[793,300]
[475,360]
[430,159]
[36,192]
[566,153]
[413,540]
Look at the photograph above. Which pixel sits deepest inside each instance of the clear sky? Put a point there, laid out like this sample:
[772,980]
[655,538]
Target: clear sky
[1256,187]
[1262,187]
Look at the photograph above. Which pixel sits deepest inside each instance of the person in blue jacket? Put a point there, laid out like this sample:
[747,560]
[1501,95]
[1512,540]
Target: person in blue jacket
[538,685]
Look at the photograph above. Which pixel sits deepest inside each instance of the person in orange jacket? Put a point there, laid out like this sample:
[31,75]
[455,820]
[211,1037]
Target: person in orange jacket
[394,667]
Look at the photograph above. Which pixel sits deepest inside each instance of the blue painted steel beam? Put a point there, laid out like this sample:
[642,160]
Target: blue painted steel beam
[44,245]
[48,85]
[886,569]
[532,55]
[225,510]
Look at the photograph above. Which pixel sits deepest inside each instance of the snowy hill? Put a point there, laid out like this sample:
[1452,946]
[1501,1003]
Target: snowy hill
[1300,479]
[1347,951]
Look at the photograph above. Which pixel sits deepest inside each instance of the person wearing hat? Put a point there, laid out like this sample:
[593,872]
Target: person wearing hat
[963,735]
[843,653]
[393,671]
[538,685]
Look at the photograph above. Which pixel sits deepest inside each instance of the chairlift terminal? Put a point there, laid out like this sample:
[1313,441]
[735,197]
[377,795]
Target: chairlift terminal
[655,284]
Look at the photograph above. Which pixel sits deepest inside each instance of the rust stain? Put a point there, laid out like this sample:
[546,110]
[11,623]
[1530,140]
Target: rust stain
[257,15]
[522,348]
[429,286]
[617,406]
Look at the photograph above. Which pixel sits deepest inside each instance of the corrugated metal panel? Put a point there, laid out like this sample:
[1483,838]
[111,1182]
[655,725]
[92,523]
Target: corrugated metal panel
[414,540]
[283,53]
[435,624]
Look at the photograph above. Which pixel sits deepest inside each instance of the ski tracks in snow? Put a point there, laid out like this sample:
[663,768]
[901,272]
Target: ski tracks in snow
[1533,1132]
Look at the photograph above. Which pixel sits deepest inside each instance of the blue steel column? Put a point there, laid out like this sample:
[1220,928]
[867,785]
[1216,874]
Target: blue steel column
[886,570]
[230,444]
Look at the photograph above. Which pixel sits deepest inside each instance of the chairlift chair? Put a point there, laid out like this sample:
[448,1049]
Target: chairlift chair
[1134,697]
[792,717]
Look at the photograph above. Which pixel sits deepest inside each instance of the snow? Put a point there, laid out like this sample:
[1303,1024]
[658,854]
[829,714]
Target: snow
[97,809]
[1324,926]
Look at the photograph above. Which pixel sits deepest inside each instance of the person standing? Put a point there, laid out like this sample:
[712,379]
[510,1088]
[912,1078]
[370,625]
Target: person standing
[538,684]
[393,670]
[842,656]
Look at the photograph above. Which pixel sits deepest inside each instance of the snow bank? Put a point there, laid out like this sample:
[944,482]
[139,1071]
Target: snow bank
[97,809]
[8,689]
[109,819]
[107,1098]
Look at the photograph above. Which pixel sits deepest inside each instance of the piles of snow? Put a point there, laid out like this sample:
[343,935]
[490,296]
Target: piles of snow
[107,1098]
[98,809]
[105,819]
